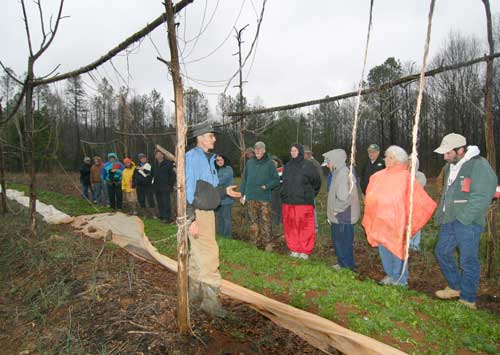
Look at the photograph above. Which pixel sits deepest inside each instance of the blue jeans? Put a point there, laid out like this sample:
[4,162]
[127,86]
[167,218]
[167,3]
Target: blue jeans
[393,266]
[86,191]
[224,224]
[343,244]
[415,241]
[97,195]
[466,238]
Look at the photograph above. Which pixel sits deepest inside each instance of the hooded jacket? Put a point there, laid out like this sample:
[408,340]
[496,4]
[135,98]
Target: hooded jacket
[301,182]
[387,205]
[343,202]
[143,177]
[106,174]
[127,178]
[466,197]
[258,173]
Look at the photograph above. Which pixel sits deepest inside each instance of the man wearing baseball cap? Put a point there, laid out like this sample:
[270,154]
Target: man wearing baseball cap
[375,163]
[201,193]
[469,185]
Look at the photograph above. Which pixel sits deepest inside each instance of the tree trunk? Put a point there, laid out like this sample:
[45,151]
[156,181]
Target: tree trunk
[28,129]
[490,143]
[182,232]
[2,175]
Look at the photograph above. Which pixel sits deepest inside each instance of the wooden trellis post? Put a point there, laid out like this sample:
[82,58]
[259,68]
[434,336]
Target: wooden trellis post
[182,231]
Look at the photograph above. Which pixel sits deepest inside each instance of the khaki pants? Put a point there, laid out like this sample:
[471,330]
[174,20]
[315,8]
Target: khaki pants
[204,251]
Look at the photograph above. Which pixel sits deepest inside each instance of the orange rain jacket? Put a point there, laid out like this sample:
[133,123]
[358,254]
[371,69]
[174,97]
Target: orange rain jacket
[387,207]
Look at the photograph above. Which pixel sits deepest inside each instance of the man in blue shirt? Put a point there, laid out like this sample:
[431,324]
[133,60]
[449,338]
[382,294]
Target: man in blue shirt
[204,275]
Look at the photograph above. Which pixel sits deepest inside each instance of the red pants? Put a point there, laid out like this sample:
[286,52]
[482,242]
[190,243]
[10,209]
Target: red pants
[299,228]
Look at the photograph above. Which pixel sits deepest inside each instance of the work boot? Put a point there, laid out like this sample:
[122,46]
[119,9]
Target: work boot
[195,293]
[471,305]
[447,294]
[211,303]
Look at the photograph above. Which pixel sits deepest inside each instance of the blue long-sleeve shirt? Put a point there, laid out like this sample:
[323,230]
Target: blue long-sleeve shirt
[199,167]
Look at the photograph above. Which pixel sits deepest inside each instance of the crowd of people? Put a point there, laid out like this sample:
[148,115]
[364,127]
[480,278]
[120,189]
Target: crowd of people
[129,186]
[272,193]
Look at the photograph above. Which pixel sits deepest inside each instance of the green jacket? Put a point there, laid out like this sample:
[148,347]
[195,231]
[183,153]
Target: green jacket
[259,173]
[467,207]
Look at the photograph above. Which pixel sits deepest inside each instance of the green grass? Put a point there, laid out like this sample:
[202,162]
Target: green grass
[373,310]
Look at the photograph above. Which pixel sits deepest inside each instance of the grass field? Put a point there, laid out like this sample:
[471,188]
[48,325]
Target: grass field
[403,318]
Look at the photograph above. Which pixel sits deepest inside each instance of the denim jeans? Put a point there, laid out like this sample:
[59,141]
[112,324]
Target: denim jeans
[393,266]
[224,225]
[466,238]
[86,191]
[415,241]
[97,194]
[343,244]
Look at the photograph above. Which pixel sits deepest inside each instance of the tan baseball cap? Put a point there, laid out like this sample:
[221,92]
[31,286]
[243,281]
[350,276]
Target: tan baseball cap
[450,142]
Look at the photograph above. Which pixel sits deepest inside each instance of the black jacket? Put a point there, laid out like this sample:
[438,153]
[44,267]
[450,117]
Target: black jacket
[163,175]
[370,169]
[85,174]
[301,181]
[141,180]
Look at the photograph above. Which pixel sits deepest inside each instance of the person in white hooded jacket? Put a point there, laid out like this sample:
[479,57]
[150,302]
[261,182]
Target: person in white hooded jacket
[342,207]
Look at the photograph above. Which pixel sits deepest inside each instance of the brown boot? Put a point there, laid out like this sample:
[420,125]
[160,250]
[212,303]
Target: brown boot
[195,292]
[211,303]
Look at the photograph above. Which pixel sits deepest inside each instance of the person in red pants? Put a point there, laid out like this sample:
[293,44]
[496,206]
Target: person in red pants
[301,184]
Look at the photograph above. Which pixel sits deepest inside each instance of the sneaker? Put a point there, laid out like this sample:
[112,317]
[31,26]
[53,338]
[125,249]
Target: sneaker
[337,267]
[303,256]
[294,254]
[447,294]
[471,305]
[386,281]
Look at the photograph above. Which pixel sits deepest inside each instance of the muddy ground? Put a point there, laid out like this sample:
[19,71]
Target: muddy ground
[63,294]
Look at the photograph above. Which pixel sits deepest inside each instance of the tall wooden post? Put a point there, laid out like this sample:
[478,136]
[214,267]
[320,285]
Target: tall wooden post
[28,133]
[2,174]
[181,130]
[490,142]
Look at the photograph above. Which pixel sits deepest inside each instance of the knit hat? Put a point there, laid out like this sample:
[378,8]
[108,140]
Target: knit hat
[112,155]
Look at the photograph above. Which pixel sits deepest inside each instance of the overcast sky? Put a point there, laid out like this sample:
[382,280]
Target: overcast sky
[306,49]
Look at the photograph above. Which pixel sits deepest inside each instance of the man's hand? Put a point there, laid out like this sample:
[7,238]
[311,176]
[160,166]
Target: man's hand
[242,200]
[263,187]
[194,229]
[230,191]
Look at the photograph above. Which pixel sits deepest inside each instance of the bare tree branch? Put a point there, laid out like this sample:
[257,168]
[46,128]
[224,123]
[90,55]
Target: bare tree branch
[44,46]
[114,51]
[52,72]
[42,23]
[19,101]
[10,74]
[27,28]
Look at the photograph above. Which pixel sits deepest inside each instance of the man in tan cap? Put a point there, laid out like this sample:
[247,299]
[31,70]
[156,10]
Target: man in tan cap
[469,186]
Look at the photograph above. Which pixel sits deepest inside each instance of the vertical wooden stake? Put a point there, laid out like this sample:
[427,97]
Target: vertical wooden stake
[2,175]
[490,143]
[181,129]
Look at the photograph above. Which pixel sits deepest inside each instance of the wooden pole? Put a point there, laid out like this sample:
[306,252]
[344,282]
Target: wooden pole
[490,143]
[182,231]
[2,174]
[370,90]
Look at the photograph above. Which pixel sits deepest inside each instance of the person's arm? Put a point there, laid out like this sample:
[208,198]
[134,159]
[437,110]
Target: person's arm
[190,185]
[316,181]
[274,178]
[483,184]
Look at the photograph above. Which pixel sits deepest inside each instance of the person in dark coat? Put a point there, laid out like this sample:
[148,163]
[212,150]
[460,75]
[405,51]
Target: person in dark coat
[85,178]
[223,212]
[163,183]
[143,180]
[375,163]
[301,184]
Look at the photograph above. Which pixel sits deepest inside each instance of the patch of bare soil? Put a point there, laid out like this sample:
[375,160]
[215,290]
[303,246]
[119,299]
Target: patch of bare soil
[65,294]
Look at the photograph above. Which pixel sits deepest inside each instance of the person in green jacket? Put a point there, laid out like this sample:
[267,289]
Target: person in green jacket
[469,186]
[259,179]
